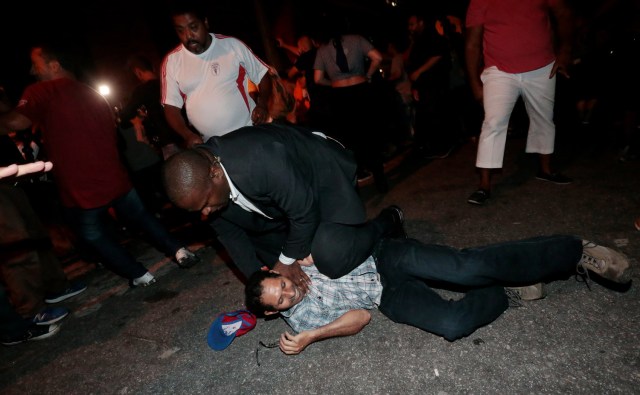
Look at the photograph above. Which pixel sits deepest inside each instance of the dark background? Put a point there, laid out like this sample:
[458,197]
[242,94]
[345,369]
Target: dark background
[103,34]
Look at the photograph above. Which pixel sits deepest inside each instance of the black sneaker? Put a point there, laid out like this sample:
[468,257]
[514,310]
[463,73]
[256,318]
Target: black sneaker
[442,153]
[35,332]
[364,175]
[397,220]
[50,315]
[73,290]
[555,178]
[479,197]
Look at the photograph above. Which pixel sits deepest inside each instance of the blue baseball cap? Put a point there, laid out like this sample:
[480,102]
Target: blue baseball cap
[228,326]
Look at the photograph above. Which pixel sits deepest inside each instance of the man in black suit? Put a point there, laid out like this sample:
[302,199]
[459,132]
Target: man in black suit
[280,195]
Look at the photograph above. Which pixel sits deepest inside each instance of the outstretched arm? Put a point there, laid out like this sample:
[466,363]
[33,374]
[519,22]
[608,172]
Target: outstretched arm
[177,123]
[291,48]
[260,114]
[348,324]
[16,170]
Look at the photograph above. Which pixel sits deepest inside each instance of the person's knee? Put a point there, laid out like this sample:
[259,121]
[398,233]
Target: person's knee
[329,262]
[456,331]
[337,249]
[91,234]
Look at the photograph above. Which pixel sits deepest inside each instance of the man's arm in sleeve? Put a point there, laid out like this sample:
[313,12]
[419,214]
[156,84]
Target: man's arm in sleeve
[237,243]
[292,192]
[348,324]
[172,101]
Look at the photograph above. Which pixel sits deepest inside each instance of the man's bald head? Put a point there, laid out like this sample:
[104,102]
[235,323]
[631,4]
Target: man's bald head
[184,174]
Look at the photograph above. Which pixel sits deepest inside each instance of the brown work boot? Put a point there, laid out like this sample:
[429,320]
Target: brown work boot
[529,292]
[607,263]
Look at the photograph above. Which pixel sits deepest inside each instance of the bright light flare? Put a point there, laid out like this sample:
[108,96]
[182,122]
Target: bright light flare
[104,90]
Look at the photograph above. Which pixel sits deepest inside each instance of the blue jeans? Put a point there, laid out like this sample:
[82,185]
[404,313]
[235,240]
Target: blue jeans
[12,325]
[92,226]
[408,268]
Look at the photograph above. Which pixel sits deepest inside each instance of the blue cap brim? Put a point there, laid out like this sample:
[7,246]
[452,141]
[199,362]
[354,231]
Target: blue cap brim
[216,338]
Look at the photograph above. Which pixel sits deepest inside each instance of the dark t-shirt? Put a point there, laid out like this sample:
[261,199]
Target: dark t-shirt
[80,138]
[425,46]
[155,124]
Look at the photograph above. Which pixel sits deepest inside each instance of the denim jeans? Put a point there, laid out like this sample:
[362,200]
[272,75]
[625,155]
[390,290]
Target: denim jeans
[29,268]
[12,325]
[92,226]
[409,268]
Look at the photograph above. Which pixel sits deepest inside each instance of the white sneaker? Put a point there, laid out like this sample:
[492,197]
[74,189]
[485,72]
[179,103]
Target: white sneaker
[143,281]
[185,258]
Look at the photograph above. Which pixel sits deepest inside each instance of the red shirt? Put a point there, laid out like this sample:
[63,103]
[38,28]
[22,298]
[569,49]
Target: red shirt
[517,33]
[79,136]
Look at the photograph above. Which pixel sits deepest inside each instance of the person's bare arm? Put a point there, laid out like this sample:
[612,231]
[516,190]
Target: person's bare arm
[291,48]
[260,114]
[319,77]
[16,170]
[425,67]
[474,61]
[177,122]
[376,58]
[293,72]
[348,324]
[564,31]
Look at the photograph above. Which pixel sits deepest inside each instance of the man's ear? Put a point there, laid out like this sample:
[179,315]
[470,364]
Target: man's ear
[215,171]
[271,312]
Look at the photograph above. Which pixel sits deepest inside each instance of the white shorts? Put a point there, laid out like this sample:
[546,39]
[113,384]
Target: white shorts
[501,91]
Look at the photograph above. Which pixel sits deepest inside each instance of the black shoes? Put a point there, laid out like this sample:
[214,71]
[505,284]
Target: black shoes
[479,197]
[394,217]
[35,332]
[555,178]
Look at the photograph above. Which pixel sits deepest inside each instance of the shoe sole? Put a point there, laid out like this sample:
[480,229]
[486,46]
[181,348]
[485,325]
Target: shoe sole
[65,296]
[53,329]
[554,182]
[132,285]
[444,155]
[476,202]
[188,263]
[53,320]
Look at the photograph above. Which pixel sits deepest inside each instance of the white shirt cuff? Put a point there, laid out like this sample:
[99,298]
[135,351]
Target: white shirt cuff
[286,260]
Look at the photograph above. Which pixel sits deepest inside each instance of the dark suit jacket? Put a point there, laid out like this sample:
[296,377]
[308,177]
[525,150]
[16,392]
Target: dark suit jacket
[294,176]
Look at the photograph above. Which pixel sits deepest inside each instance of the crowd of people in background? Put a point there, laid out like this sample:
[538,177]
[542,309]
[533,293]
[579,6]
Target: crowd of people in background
[435,85]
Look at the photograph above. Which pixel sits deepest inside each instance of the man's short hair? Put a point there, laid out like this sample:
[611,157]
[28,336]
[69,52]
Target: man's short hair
[184,173]
[253,292]
[61,53]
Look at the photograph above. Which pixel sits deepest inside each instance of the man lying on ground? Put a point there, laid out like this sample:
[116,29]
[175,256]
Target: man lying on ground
[398,276]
